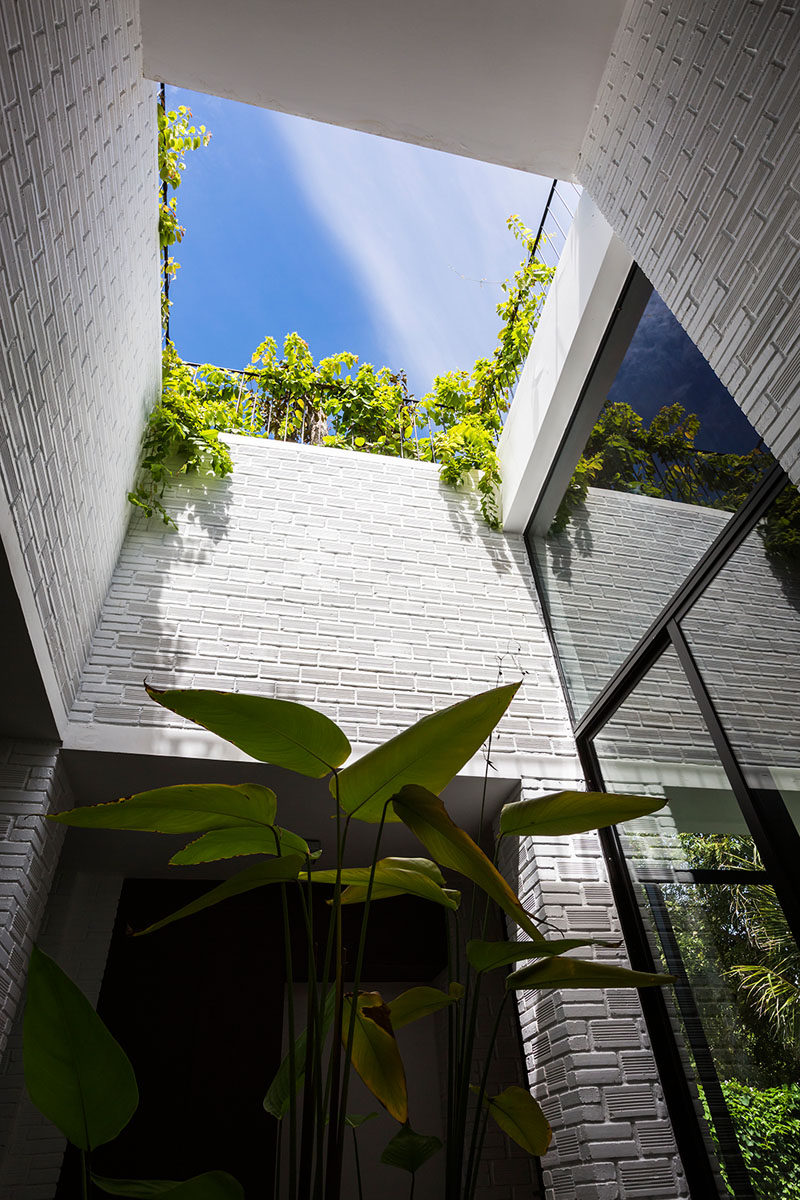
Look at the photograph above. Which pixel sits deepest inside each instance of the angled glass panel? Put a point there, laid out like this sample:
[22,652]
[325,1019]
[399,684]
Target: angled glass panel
[744,633]
[670,457]
[715,923]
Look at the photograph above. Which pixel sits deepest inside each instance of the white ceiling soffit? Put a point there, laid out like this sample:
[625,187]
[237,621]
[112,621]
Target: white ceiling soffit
[510,82]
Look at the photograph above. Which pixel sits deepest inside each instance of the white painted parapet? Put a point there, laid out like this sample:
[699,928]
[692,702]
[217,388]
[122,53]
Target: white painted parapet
[590,277]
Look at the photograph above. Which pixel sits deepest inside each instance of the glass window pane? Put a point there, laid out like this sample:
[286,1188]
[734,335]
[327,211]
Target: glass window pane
[745,635]
[715,923]
[670,457]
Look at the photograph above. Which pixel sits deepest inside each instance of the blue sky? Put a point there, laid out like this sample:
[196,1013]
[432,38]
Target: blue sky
[356,242]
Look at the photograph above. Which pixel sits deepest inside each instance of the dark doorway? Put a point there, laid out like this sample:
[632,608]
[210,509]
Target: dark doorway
[198,1008]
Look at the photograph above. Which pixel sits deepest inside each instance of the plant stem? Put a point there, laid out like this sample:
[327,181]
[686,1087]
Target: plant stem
[362,940]
[476,1142]
[287,944]
[313,1032]
[334,1155]
[358,1165]
[84,1176]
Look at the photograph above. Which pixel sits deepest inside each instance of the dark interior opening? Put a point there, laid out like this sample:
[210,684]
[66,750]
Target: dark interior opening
[198,1008]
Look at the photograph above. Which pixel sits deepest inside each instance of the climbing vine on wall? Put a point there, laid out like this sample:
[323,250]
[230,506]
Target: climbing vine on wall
[337,401]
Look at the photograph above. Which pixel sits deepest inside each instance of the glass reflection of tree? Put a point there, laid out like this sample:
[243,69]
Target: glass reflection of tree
[661,459]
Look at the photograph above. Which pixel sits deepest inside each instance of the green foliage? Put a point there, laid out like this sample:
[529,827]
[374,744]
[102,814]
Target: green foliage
[213,1185]
[338,401]
[409,1150]
[767,1123]
[623,454]
[76,1073]
[176,137]
[355,1029]
[757,953]
[182,432]
[518,1115]
[572,812]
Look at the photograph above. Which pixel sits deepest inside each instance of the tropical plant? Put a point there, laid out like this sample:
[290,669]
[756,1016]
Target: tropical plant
[348,1028]
[80,1078]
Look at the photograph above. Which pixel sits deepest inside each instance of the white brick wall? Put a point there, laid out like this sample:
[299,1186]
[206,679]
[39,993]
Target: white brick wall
[76,932]
[32,783]
[692,155]
[353,582]
[609,574]
[587,1052]
[79,288]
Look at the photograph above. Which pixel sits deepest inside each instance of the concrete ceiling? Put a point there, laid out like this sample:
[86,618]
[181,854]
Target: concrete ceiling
[511,82]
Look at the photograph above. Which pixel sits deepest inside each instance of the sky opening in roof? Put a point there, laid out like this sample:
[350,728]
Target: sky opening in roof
[393,251]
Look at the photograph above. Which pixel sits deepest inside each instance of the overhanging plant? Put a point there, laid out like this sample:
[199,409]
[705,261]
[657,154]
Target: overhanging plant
[346,1027]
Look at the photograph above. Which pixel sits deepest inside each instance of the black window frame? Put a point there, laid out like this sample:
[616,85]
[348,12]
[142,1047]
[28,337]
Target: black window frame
[768,820]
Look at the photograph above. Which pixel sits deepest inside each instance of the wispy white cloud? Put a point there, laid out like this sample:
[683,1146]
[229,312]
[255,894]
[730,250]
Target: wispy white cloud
[421,229]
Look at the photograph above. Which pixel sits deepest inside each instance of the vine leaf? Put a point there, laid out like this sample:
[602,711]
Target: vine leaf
[213,1185]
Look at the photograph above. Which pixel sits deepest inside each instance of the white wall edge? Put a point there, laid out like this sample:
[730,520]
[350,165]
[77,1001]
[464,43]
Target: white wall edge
[33,621]
[200,744]
[591,273]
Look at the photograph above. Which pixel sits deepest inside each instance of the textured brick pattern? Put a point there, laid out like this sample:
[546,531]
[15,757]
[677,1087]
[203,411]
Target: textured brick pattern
[76,932]
[587,1052]
[609,574]
[31,784]
[692,156]
[353,582]
[79,323]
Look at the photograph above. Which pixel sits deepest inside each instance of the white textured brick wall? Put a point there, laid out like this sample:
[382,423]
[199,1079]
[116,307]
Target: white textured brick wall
[608,575]
[692,156]
[588,1054]
[79,296]
[76,932]
[32,783]
[353,582]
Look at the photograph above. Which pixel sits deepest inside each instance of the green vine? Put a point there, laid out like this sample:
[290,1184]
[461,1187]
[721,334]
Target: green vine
[336,401]
[176,137]
[182,432]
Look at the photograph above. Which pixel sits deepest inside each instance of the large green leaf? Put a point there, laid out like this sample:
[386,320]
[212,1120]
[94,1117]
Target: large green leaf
[276,1101]
[409,1150]
[390,880]
[419,1002]
[430,753]
[578,973]
[76,1073]
[573,812]
[275,870]
[486,956]
[425,815]
[185,808]
[230,843]
[213,1185]
[375,1055]
[518,1115]
[275,731]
